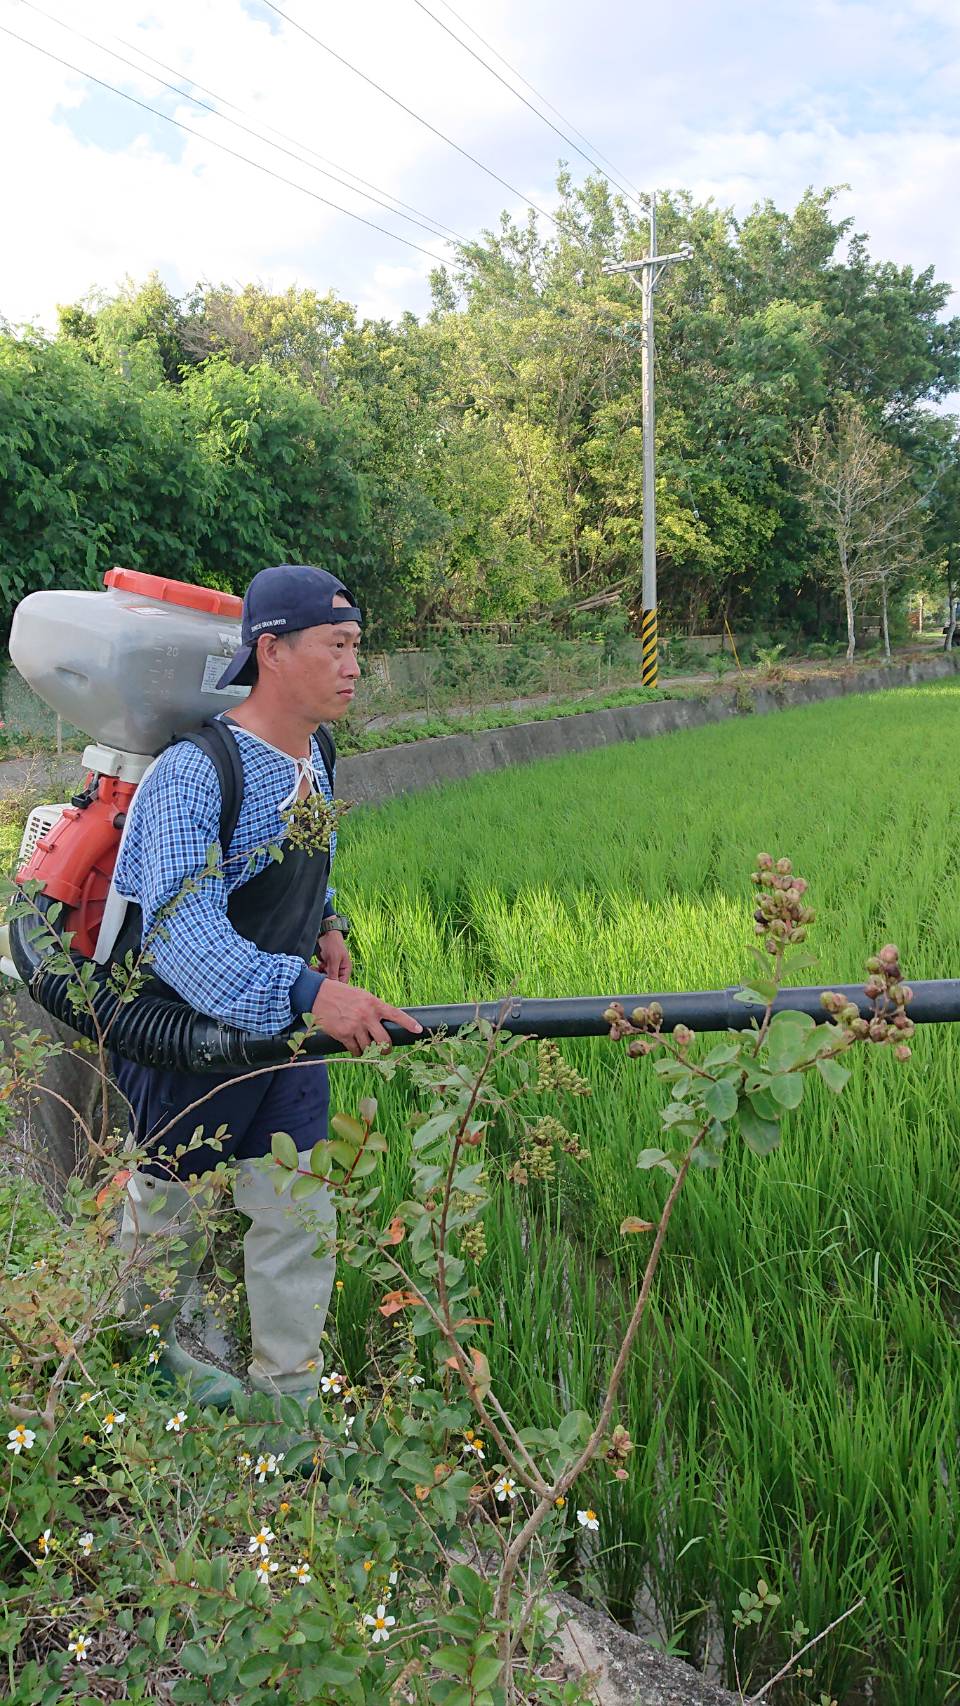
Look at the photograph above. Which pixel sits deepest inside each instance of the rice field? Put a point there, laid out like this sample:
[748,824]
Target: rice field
[794,1400]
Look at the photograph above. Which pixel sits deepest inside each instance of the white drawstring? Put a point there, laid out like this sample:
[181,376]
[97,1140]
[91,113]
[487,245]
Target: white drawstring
[303,768]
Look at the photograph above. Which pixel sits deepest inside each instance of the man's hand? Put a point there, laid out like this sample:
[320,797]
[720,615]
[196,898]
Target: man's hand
[354,1017]
[334,956]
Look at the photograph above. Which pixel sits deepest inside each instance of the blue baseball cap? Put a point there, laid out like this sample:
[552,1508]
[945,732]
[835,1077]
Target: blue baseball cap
[285,600]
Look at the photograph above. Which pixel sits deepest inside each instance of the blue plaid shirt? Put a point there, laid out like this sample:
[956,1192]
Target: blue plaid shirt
[174,818]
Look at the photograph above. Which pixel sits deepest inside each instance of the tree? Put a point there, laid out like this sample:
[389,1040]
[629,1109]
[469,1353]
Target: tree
[861,495]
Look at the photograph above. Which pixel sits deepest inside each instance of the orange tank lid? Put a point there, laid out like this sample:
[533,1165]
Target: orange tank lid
[205,598]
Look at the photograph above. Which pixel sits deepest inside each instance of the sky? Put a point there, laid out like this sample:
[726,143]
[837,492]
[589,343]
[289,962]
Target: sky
[739,100]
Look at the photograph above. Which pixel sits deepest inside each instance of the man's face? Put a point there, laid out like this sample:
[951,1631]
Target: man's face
[319,669]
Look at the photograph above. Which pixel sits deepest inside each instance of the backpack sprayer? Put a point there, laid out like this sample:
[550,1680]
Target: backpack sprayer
[136,667]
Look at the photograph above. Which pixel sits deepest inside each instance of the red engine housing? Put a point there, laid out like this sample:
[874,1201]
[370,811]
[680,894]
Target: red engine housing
[74,860]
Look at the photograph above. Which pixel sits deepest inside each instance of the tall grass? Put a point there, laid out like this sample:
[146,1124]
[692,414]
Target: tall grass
[795,1399]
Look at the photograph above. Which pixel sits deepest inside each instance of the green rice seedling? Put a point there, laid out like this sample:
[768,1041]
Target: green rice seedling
[794,1399]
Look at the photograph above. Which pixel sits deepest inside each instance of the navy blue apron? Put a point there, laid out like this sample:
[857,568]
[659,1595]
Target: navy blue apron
[280,911]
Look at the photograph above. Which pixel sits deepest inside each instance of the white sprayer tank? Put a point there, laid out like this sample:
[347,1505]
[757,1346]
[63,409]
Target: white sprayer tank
[133,666]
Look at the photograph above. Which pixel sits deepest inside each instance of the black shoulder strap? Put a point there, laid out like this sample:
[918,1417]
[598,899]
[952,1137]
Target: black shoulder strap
[328,751]
[218,743]
[224,754]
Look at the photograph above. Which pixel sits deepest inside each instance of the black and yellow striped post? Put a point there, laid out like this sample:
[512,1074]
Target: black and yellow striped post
[648,642]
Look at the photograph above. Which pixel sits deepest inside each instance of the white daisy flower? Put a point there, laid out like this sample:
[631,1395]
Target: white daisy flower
[588,1519]
[244,1460]
[266,1568]
[505,1488]
[415,1380]
[46,1543]
[20,1439]
[85,1543]
[79,1645]
[261,1542]
[112,1420]
[267,1464]
[473,1447]
[176,1422]
[153,1330]
[332,1383]
[157,1351]
[381,1624]
[301,1569]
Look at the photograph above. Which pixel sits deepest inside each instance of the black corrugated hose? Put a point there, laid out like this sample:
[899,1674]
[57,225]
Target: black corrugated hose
[169,1034]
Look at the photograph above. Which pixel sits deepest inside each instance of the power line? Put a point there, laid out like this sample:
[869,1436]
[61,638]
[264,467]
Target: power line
[431,227]
[516,93]
[528,85]
[271,6]
[296,141]
[222,147]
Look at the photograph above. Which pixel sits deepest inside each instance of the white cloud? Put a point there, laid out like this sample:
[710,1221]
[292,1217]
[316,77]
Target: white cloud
[742,100]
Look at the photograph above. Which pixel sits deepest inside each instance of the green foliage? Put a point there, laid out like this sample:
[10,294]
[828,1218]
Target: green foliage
[139,1544]
[800,1368]
[209,481]
[486,463]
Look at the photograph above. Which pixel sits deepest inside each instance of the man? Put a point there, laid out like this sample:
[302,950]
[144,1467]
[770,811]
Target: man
[238,949]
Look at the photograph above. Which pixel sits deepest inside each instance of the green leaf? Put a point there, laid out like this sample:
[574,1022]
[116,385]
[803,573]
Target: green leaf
[284,1150]
[348,1128]
[319,1156]
[195,1659]
[722,1055]
[366,1165]
[720,1099]
[454,1660]
[485,1672]
[304,1185]
[759,993]
[342,1153]
[790,1019]
[800,961]
[787,1089]
[574,1429]
[656,1158]
[335,1668]
[468,1583]
[833,1074]
[763,1103]
[437,1126]
[762,1136]
[461,1622]
[257,1667]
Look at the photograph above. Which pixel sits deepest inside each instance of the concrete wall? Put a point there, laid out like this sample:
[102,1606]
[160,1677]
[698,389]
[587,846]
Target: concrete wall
[376,776]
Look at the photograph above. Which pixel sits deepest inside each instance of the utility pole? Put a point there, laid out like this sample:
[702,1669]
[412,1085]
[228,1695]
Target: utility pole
[649,271]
